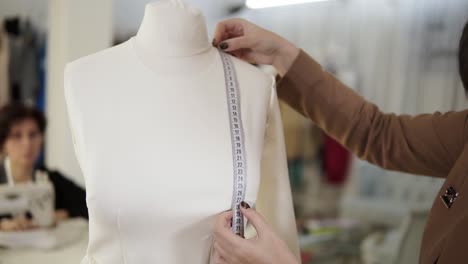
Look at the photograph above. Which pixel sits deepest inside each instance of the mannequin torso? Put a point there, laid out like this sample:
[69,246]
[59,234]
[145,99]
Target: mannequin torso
[151,132]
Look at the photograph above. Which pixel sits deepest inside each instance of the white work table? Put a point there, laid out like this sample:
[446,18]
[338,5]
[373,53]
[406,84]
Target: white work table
[69,254]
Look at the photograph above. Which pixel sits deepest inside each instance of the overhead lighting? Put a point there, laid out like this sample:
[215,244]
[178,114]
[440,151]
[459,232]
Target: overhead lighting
[256,4]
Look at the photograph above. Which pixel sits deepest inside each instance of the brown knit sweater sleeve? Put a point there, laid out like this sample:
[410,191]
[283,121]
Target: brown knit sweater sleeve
[425,144]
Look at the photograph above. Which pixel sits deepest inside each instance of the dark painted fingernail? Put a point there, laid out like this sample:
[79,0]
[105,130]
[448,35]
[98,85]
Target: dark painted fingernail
[245,205]
[223,46]
[213,42]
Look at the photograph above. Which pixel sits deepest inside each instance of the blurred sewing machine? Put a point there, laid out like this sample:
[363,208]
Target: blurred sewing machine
[36,198]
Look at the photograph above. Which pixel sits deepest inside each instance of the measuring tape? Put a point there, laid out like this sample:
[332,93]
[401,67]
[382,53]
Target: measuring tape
[237,142]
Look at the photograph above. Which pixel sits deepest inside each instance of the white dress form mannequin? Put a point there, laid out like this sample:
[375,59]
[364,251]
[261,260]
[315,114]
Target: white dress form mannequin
[151,133]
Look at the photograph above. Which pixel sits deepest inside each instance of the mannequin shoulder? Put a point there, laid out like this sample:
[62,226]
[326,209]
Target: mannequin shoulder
[97,64]
[252,75]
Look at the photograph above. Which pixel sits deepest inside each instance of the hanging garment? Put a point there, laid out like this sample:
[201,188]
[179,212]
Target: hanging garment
[24,65]
[4,76]
[41,98]
[336,161]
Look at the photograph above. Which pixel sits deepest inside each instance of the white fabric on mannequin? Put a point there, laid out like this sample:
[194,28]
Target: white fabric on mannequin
[151,133]
[274,200]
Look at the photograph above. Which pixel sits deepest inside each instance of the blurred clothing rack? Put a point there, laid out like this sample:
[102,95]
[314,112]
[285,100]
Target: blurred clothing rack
[21,58]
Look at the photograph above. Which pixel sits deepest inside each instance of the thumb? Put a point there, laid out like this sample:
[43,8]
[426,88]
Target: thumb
[234,44]
[256,219]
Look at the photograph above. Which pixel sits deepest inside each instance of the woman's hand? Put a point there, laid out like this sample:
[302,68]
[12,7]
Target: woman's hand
[266,248]
[19,223]
[255,44]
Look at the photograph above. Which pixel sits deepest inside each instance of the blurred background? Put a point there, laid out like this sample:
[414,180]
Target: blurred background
[399,54]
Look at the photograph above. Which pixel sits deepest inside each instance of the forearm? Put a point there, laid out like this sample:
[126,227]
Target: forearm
[328,103]
[404,143]
[285,55]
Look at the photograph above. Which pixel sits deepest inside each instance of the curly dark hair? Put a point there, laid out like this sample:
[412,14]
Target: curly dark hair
[463,57]
[13,113]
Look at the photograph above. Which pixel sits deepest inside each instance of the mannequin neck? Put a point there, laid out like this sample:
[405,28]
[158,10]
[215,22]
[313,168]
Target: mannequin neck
[172,29]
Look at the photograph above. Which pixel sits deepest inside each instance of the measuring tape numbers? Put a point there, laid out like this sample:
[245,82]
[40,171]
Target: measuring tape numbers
[237,142]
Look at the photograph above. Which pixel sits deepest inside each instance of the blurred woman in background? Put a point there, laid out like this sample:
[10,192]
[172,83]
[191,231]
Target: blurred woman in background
[22,131]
